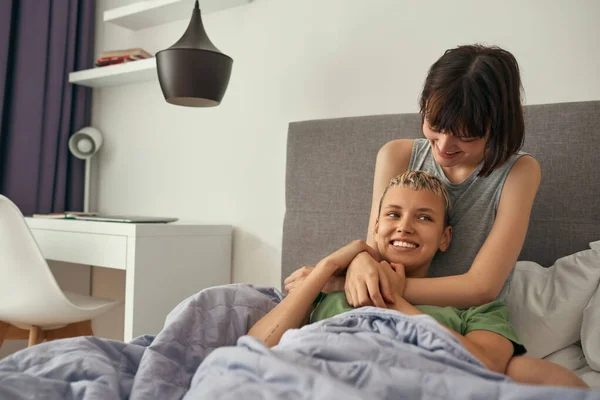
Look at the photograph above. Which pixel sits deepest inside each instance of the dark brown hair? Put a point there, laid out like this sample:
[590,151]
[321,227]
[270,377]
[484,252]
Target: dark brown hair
[475,90]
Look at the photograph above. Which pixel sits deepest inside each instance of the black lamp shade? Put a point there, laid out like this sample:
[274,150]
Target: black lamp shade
[193,72]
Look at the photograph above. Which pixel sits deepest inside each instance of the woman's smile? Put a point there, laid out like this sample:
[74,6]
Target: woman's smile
[403,246]
[445,154]
[402,249]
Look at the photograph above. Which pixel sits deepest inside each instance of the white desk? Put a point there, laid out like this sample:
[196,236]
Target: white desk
[163,263]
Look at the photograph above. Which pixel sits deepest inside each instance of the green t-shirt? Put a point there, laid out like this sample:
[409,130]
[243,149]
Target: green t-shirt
[493,317]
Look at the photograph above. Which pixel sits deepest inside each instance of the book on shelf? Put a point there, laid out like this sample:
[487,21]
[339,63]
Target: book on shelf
[104,61]
[65,215]
[126,52]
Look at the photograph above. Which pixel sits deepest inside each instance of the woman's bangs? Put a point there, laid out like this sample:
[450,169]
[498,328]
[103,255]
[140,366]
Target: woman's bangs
[450,113]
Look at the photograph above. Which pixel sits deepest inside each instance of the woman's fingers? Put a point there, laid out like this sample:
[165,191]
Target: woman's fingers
[362,293]
[385,284]
[399,268]
[351,296]
[296,278]
[288,288]
[400,278]
[289,280]
[300,273]
[375,294]
[293,276]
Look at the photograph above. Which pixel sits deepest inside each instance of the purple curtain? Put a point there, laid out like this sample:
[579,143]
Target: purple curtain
[41,41]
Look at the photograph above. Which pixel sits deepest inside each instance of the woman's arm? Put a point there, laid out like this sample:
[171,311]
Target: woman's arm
[493,350]
[499,253]
[392,160]
[295,307]
[490,269]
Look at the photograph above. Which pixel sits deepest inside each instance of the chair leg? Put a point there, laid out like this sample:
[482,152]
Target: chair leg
[3,330]
[36,336]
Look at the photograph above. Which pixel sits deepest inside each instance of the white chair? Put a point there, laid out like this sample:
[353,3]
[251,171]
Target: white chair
[32,305]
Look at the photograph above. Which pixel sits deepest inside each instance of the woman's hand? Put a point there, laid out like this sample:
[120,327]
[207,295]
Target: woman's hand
[334,284]
[395,275]
[365,283]
[341,259]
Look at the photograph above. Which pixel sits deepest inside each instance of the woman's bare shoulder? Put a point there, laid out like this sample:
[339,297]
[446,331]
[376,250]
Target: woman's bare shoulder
[396,152]
[521,185]
[526,170]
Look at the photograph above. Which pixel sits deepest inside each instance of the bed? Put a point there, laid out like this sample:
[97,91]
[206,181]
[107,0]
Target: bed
[330,167]
[202,351]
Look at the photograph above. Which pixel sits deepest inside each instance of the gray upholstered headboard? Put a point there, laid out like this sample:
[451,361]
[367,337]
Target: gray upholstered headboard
[330,166]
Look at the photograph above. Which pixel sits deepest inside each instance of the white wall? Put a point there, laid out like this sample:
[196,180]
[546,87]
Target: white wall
[306,59]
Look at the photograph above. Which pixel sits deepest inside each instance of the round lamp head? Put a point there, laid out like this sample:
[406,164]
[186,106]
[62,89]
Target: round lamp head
[86,142]
[193,72]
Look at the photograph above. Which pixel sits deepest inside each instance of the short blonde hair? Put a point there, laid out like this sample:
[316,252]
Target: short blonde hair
[419,180]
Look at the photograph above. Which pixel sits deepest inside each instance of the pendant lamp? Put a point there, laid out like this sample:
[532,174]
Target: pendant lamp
[193,72]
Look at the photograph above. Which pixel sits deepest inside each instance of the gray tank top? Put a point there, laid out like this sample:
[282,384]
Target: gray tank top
[474,203]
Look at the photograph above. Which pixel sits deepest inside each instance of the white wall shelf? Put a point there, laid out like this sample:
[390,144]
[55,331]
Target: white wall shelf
[141,15]
[147,13]
[114,75]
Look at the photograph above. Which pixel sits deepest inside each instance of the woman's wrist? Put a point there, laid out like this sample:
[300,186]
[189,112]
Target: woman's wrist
[400,304]
[366,254]
[326,268]
[361,259]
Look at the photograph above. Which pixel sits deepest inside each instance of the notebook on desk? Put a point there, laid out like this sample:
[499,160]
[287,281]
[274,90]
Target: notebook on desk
[126,218]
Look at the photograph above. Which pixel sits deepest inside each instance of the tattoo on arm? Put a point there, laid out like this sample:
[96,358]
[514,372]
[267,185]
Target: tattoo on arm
[273,331]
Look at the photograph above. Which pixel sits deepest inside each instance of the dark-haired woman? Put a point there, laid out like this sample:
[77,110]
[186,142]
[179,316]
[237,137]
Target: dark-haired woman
[473,126]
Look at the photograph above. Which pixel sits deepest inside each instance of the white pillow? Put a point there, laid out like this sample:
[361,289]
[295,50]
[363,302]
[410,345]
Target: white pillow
[546,304]
[589,376]
[571,357]
[590,331]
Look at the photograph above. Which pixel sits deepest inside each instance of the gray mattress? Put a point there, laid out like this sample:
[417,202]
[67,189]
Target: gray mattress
[330,166]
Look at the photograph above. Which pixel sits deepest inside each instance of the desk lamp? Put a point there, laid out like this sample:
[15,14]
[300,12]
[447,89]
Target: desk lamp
[83,144]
